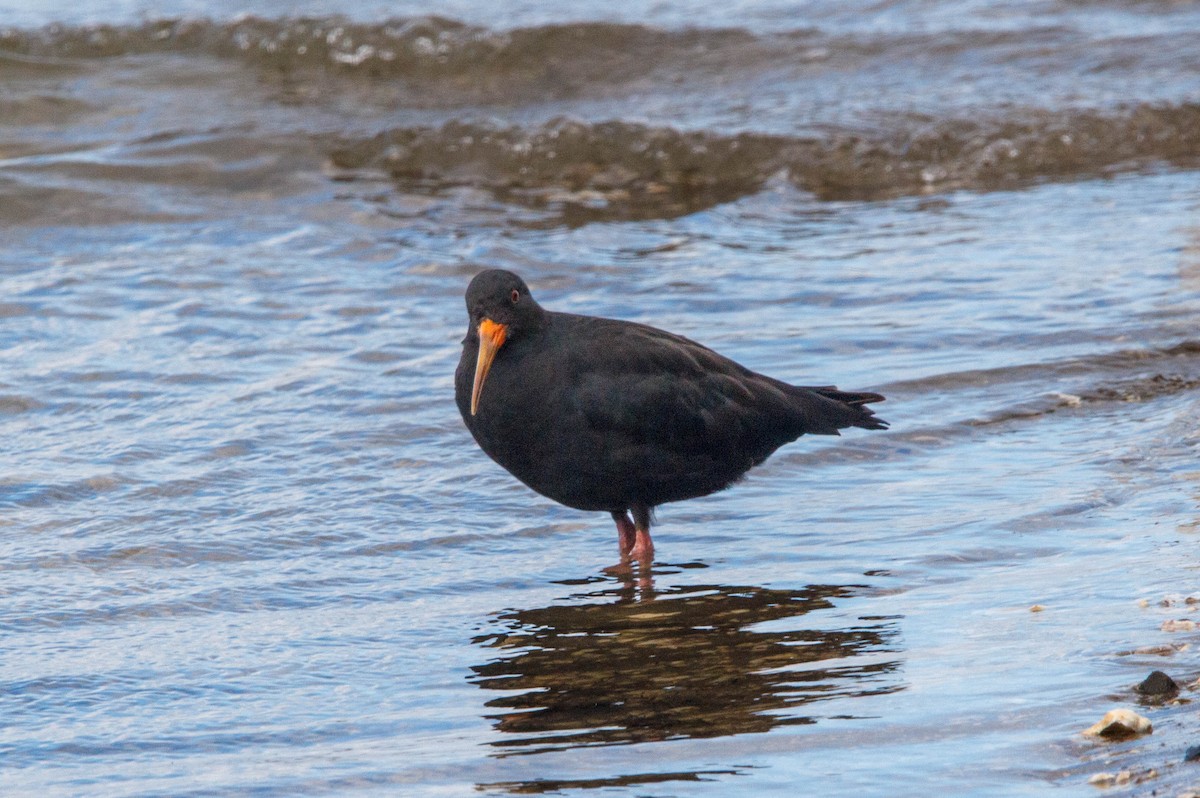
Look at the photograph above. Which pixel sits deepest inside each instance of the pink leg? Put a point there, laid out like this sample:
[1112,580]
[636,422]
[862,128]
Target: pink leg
[626,532]
[643,547]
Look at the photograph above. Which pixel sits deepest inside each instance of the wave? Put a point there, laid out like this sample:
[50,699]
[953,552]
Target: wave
[1085,383]
[438,62]
[586,170]
[476,61]
[1026,393]
[629,170]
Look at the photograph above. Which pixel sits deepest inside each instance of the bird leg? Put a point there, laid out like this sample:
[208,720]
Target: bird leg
[643,547]
[627,533]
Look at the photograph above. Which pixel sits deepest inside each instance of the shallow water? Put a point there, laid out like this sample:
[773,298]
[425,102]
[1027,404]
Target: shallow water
[249,547]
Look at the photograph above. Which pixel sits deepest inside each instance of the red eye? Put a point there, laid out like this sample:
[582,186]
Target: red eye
[515,296]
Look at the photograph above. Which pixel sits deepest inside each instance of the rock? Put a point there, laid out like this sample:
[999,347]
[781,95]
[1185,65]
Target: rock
[1158,685]
[1123,778]
[1111,779]
[1119,724]
[1181,625]
[1037,608]
[1192,754]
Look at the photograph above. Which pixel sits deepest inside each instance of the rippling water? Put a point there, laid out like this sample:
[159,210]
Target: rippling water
[248,546]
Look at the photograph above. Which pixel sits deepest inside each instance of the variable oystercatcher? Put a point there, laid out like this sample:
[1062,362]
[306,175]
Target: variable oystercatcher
[600,414]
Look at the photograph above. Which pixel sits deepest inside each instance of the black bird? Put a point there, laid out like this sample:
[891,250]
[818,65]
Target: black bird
[600,414]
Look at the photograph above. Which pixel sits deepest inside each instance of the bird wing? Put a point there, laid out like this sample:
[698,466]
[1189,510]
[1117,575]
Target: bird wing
[656,416]
[657,389]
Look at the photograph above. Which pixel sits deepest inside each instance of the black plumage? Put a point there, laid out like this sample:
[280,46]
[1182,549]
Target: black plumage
[600,414]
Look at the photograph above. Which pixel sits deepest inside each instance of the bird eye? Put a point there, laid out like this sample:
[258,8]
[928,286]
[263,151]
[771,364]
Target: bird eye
[515,295]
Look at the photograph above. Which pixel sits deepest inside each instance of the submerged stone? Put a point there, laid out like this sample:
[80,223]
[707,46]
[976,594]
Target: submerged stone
[1158,685]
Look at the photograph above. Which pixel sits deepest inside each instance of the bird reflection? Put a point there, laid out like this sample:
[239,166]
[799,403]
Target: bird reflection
[687,661]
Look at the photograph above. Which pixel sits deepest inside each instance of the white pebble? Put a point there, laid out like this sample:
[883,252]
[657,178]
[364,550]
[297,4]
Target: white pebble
[1121,723]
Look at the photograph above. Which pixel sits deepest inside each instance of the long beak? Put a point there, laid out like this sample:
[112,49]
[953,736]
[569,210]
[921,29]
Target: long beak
[491,338]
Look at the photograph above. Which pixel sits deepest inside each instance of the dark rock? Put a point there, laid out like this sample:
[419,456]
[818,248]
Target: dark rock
[1192,754]
[1158,685]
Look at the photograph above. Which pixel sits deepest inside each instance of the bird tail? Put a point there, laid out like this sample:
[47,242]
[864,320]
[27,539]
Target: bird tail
[855,412]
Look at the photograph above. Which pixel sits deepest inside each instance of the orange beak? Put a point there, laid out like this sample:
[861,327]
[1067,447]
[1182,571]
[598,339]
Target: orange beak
[491,338]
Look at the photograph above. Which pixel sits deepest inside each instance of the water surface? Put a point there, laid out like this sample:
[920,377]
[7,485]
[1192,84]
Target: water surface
[248,546]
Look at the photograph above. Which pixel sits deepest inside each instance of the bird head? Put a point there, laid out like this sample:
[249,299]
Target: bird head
[500,309]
